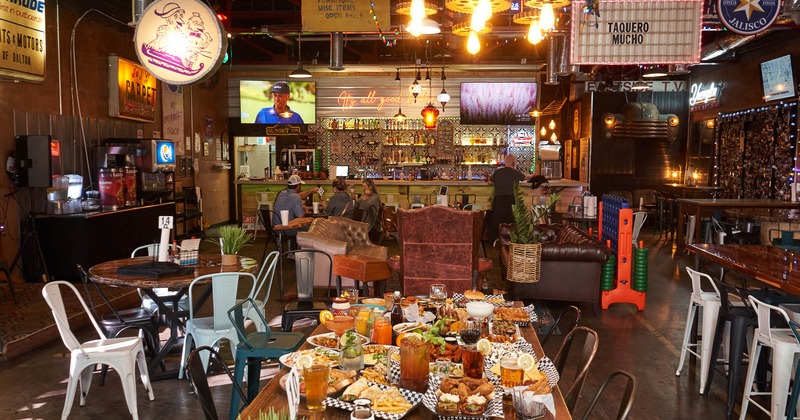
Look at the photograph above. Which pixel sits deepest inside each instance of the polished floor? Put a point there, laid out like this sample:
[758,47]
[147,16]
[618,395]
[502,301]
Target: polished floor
[644,343]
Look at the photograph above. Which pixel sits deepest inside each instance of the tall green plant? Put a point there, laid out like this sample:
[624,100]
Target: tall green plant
[525,217]
[231,239]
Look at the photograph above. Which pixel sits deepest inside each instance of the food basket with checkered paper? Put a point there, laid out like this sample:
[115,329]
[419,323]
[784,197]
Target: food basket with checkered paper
[411,396]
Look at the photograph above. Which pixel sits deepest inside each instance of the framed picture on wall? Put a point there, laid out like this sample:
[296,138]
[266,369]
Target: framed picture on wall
[583,173]
[568,159]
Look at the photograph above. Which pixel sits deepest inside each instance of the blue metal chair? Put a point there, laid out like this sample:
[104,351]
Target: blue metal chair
[255,347]
[785,240]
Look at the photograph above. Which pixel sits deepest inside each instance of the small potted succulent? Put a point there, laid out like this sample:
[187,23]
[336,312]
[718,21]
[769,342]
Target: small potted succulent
[231,240]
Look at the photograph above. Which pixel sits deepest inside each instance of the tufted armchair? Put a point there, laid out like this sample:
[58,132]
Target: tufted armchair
[336,236]
[439,245]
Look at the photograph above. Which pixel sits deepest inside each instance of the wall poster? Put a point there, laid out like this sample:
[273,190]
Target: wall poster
[568,159]
[584,157]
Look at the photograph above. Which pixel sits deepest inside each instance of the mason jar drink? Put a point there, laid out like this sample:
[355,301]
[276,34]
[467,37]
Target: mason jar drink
[414,361]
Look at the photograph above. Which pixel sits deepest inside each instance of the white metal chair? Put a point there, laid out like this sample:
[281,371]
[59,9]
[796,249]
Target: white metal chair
[265,275]
[473,207]
[208,331]
[262,201]
[122,354]
[638,221]
[785,350]
[710,303]
[147,301]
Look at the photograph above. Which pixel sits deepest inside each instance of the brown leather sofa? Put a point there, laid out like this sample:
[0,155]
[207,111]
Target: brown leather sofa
[571,265]
[336,236]
[439,245]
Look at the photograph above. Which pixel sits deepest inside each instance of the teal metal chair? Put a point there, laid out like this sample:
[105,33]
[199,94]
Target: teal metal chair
[255,347]
[785,239]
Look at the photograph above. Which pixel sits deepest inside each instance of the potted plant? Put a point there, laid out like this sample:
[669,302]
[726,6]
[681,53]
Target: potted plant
[525,251]
[231,240]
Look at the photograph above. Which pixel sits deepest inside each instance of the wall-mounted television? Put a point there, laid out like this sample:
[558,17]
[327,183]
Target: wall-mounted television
[277,102]
[777,78]
[497,103]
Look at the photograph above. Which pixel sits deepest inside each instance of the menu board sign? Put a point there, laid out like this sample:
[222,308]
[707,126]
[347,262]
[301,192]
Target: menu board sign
[132,90]
[637,32]
[345,15]
[22,39]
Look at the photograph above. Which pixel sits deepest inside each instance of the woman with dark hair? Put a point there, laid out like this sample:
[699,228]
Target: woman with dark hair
[370,202]
[341,204]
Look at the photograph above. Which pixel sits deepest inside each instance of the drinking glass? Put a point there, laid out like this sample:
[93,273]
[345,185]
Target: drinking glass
[438,295]
[388,299]
[526,408]
[443,365]
[473,361]
[511,374]
[316,379]
[352,294]
[414,366]
[470,331]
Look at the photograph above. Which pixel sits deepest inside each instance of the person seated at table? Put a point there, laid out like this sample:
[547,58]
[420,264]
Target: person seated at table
[291,199]
[341,204]
[370,202]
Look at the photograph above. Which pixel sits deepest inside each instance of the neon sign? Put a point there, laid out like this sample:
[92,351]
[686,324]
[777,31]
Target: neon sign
[704,97]
[346,100]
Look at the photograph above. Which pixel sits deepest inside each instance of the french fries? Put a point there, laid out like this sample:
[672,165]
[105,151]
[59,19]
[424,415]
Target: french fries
[392,401]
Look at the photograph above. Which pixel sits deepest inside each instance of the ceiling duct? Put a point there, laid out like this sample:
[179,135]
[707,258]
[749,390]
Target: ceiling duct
[792,9]
[552,60]
[138,7]
[563,68]
[337,51]
[734,41]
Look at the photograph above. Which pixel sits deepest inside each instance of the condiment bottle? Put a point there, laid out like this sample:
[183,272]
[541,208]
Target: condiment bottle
[397,311]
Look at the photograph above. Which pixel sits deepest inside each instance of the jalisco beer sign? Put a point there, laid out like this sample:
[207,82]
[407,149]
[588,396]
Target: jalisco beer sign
[132,90]
[641,32]
[180,41]
[748,17]
[22,39]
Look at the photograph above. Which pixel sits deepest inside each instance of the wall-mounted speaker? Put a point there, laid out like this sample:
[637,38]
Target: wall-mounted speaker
[34,164]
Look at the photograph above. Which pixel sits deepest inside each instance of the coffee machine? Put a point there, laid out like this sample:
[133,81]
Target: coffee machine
[550,157]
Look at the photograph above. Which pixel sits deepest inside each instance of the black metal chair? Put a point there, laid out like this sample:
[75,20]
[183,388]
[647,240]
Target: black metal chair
[562,324]
[265,218]
[589,349]
[199,380]
[628,396]
[120,320]
[305,307]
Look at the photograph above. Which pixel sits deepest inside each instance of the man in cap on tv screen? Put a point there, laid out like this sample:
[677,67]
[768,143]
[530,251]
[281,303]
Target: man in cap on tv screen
[279,112]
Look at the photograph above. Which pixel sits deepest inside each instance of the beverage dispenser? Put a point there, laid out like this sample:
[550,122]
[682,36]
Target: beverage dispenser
[550,157]
[114,159]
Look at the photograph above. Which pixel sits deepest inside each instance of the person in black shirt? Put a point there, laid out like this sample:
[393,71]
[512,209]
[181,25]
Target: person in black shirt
[341,204]
[504,179]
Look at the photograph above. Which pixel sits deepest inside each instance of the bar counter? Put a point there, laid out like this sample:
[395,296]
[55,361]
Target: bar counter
[398,193]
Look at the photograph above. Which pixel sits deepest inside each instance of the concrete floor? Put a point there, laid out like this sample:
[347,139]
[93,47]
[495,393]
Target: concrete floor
[644,343]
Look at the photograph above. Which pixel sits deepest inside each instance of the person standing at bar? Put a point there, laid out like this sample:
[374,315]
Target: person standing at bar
[341,204]
[290,199]
[504,178]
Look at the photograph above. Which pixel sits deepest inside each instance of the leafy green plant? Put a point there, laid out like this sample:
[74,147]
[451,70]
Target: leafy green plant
[525,217]
[231,239]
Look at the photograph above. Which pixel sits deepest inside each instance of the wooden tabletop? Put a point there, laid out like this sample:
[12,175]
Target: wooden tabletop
[296,223]
[272,395]
[767,214]
[735,202]
[106,273]
[768,264]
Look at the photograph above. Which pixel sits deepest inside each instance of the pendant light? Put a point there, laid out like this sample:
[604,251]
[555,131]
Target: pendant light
[547,18]
[473,44]
[443,97]
[399,117]
[534,32]
[429,114]
[299,72]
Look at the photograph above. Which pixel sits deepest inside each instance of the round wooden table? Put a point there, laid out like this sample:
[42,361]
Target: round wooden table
[108,273]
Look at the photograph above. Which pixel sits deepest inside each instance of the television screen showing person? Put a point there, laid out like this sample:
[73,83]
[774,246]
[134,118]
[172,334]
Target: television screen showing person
[279,112]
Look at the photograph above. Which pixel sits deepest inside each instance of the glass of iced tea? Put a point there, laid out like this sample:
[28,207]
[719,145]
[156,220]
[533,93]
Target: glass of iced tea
[511,374]
[414,364]
[472,360]
[316,379]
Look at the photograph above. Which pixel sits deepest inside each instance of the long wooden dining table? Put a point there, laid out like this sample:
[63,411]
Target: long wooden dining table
[108,273]
[771,265]
[273,396]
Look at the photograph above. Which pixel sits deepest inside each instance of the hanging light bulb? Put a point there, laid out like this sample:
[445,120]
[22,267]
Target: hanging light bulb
[473,44]
[443,98]
[476,22]
[552,124]
[417,9]
[400,117]
[414,27]
[553,138]
[543,131]
[547,18]
[483,10]
[534,32]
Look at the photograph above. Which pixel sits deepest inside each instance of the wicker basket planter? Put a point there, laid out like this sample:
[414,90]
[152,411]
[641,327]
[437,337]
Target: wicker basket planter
[524,262]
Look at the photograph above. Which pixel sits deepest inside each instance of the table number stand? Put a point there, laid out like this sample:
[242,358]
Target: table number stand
[615,226]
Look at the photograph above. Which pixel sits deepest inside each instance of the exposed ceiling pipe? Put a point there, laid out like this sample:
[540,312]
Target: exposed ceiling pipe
[733,41]
[563,61]
[792,9]
[137,9]
[552,60]
[337,51]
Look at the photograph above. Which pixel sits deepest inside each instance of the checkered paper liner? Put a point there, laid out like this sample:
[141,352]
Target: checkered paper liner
[496,300]
[494,408]
[532,317]
[501,350]
[411,396]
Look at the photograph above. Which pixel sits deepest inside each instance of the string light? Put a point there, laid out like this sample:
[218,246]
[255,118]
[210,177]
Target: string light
[378,26]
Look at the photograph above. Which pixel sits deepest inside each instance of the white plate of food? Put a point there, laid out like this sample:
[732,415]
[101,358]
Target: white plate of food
[329,340]
[318,355]
[373,353]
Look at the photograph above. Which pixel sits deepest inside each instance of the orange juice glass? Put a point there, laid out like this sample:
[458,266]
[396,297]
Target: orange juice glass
[382,331]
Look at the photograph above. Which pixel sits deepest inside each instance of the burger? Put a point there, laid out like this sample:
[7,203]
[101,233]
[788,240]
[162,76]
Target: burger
[474,295]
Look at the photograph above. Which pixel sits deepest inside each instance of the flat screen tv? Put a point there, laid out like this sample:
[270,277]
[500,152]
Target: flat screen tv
[497,103]
[257,102]
[777,78]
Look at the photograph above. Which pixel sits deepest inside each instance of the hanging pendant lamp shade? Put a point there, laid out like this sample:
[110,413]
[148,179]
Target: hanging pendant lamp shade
[400,117]
[429,116]
[300,73]
[443,98]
